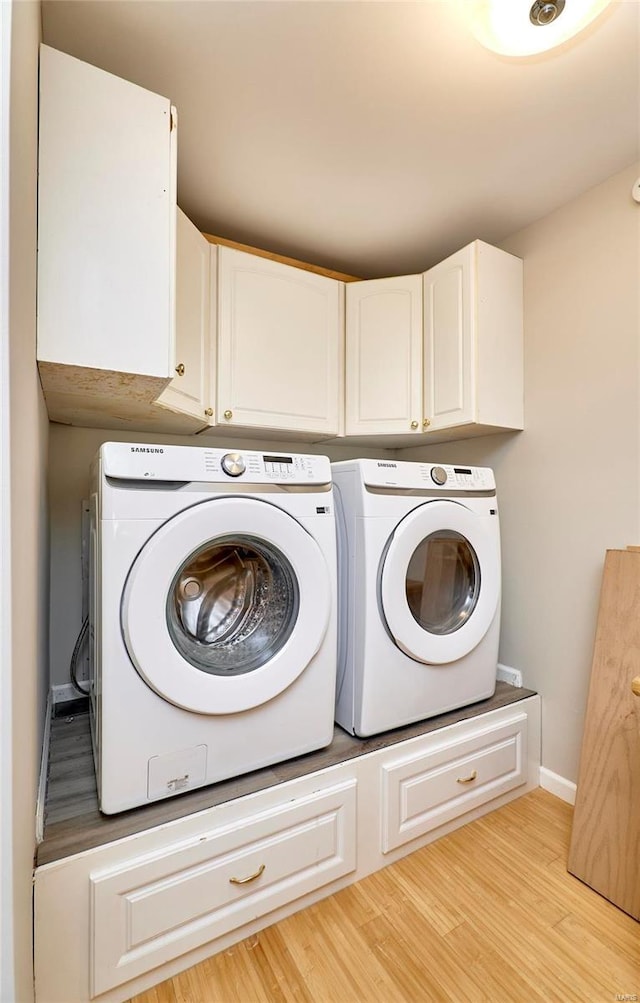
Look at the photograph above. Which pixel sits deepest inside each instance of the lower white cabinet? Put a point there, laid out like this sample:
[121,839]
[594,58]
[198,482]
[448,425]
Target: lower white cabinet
[156,907]
[423,790]
[115,920]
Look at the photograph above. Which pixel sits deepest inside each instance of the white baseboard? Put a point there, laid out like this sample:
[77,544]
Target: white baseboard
[65,692]
[563,789]
[509,675]
[44,762]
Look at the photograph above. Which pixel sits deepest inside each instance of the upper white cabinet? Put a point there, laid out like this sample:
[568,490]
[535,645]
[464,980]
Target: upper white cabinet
[280,346]
[383,356]
[437,356]
[191,390]
[473,341]
[106,242]
[143,324]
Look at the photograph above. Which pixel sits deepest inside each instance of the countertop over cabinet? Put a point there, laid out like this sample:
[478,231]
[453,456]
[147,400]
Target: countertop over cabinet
[73,822]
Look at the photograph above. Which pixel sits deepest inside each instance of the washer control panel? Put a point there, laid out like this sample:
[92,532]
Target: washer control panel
[142,462]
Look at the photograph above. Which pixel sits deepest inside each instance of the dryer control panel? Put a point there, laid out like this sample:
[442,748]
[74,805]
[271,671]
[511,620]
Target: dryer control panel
[143,462]
[408,475]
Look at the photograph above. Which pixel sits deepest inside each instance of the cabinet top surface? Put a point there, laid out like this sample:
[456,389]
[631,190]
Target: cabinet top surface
[73,822]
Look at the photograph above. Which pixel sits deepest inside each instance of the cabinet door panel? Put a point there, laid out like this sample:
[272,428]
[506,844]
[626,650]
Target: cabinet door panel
[449,341]
[428,789]
[106,228]
[383,355]
[149,911]
[190,391]
[280,345]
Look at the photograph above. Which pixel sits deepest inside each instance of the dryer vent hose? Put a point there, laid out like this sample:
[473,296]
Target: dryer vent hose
[73,668]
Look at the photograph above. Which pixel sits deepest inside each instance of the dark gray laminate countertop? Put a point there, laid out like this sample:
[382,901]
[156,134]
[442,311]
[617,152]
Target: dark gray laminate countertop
[74,823]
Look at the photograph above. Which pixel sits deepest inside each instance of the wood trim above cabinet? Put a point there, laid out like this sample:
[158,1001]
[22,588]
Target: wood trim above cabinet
[283,259]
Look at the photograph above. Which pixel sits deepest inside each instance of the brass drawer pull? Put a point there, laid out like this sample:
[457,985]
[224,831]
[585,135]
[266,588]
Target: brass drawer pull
[251,877]
[467,780]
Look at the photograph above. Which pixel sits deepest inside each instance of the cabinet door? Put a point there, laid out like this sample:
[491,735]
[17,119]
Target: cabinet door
[384,356]
[150,911]
[191,389]
[280,342]
[426,789]
[449,346]
[106,227]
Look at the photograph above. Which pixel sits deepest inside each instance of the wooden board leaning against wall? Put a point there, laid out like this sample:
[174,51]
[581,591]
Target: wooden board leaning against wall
[605,840]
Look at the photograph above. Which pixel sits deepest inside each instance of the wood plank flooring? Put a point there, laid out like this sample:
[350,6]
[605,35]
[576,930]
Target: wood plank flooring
[487,913]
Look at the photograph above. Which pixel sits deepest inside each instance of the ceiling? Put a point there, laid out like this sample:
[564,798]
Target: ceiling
[371,137]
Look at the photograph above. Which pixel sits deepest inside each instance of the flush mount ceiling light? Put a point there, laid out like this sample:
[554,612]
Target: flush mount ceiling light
[526,27]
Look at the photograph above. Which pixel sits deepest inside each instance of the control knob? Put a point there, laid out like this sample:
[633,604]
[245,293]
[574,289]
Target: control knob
[233,464]
[439,475]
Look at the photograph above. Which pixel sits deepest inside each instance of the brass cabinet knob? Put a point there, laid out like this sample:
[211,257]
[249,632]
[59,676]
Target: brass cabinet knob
[180,369]
[426,423]
[414,424]
[635,686]
[209,412]
[228,415]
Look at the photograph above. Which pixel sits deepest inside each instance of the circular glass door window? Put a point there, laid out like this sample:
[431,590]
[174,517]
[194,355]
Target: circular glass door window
[232,605]
[443,582]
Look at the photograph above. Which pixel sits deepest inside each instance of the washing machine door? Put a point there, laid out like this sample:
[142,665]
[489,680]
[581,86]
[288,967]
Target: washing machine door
[439,582]
[226,605]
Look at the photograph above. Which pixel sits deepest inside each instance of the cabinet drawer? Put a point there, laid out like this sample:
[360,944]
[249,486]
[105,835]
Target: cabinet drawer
[423,791]
[159,906]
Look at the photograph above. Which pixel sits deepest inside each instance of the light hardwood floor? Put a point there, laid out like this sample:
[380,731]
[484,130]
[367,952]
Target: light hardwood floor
[487,913]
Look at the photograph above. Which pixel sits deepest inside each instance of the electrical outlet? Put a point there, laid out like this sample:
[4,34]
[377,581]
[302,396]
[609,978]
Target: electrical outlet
[509,675]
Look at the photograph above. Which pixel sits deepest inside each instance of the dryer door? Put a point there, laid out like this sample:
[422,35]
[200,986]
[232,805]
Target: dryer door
[439,583]
[226,605]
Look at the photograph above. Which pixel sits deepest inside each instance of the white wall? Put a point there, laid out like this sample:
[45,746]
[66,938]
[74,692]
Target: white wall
[6,814]
[569,484]
[23,669]
[71,453]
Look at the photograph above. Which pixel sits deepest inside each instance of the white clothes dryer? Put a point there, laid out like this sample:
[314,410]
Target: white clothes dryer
[212,615]
[419,585]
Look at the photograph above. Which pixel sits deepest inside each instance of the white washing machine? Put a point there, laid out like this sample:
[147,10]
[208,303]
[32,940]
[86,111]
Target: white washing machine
[212,615]
[419,585]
